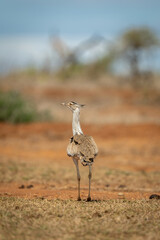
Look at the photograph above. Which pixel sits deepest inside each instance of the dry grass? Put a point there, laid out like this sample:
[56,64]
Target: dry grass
[15,171]
[57,219]
[59,175]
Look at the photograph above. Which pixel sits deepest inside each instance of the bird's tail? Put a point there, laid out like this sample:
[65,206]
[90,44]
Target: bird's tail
[86,161]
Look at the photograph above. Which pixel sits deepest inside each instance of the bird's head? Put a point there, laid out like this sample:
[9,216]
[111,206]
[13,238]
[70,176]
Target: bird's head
[73,106]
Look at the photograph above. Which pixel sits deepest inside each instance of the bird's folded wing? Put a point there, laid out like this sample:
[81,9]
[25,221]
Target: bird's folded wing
[82,145]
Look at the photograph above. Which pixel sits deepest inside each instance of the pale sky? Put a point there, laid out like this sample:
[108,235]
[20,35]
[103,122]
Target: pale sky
[25,25]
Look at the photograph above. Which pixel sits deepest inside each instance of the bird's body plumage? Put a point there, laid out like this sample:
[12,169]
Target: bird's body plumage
[82,147]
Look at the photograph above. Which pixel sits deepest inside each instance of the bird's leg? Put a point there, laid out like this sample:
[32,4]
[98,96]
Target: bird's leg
[89,176]
[78,177]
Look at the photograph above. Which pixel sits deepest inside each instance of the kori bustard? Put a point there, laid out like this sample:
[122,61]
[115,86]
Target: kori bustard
[81,147]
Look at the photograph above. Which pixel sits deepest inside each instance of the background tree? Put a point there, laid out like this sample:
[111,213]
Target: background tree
[135,42]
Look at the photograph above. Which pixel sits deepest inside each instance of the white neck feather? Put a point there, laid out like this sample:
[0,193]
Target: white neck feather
[76,123]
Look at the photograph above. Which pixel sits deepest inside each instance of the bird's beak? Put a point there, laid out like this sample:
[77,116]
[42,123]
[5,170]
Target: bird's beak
[82,105]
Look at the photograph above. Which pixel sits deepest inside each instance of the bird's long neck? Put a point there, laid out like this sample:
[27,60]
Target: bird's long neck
[76,122]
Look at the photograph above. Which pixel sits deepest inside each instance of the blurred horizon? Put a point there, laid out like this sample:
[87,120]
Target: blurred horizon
[26,27]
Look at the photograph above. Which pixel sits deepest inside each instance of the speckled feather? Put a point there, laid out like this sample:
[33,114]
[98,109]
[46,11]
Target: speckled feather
[82,147]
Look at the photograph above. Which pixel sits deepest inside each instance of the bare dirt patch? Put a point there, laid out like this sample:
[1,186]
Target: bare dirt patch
[127,167]
[50,192]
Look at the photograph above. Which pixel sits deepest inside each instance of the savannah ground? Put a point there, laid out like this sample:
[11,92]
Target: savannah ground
[38,187]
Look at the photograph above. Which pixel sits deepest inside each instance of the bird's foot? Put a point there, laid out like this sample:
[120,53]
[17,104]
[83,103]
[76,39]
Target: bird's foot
[88,199]
[78,199]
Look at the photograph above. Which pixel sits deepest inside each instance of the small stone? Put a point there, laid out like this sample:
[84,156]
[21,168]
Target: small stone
[120,194]
[107,185]
[122,186]
[30,186]
[154,196]
[42,198]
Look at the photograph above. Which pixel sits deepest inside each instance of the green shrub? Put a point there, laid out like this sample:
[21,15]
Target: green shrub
[15,109]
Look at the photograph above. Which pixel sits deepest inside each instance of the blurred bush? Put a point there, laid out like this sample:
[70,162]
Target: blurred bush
[101,66]
[136,42]
[73,61]
[134,46]
[92,70]
[15,109]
